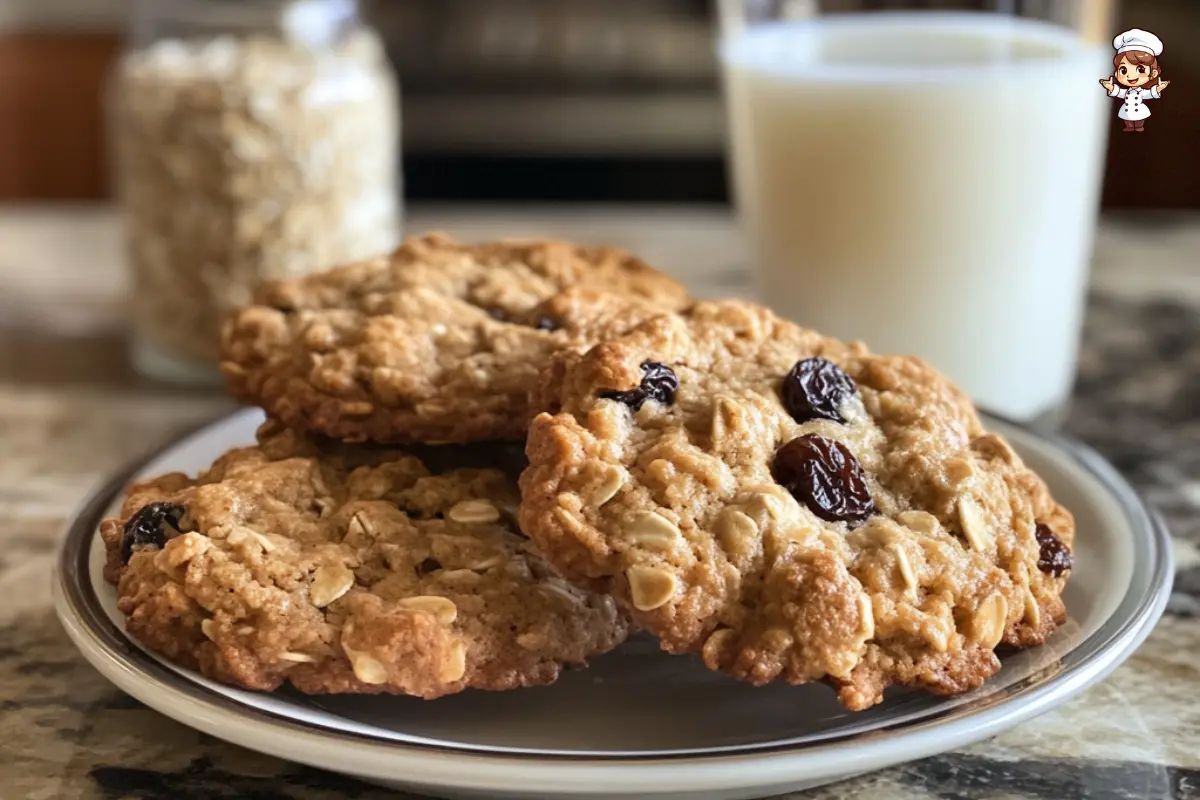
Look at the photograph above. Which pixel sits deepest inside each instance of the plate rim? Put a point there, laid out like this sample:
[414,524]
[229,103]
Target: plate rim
[446,766]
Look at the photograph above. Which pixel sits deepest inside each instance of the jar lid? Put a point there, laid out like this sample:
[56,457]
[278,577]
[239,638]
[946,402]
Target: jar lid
[316,23]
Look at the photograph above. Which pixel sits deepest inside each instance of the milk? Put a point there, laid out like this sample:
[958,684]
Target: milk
[927,183]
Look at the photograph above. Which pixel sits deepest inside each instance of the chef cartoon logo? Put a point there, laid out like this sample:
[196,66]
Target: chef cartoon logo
[1136,76]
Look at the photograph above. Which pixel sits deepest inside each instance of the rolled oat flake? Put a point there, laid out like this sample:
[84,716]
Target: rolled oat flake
[255,139]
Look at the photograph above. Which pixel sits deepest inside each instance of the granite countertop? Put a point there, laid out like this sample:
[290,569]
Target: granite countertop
[72,411]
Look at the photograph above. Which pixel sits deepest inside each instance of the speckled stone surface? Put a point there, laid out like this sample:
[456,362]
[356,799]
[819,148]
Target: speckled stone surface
[71,412]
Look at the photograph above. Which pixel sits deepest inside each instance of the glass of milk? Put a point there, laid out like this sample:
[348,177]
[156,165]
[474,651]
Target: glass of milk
[924,180]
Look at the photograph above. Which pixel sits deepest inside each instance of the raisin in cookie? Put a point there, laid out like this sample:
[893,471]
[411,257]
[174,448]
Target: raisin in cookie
[346,569]
[792,507]
[438,342]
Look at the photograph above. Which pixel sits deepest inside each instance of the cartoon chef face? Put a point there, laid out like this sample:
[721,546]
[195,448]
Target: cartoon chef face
[1135,68]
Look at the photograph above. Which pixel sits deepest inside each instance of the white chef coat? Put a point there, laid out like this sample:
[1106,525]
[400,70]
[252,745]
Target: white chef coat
[1135,100]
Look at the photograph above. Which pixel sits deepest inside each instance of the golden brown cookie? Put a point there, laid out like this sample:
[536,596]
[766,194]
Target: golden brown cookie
[349,569]
[792,507]
[438,342]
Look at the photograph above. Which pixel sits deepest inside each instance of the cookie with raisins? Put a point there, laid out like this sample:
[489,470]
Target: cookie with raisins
[437,342]
[349,569]
[791,507]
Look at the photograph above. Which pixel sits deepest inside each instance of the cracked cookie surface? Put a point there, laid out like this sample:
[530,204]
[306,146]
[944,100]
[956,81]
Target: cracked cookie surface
[348,569]
[791,507]
[437,342]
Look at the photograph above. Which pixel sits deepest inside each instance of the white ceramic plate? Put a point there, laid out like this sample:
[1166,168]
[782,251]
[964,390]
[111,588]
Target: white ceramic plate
[639,722]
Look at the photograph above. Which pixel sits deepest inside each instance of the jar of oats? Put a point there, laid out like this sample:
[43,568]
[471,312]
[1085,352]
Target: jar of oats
[255,139]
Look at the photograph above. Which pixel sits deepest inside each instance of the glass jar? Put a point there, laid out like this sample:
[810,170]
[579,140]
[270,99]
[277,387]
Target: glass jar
[255,139]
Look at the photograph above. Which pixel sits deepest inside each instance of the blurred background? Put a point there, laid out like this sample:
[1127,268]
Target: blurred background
[598,121]
[582,100]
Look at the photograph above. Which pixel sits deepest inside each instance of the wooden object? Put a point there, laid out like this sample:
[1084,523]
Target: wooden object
[52,143]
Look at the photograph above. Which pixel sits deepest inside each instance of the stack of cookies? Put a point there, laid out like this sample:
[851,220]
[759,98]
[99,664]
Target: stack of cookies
[779,504]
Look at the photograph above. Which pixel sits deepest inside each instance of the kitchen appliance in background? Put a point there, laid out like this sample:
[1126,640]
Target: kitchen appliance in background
[568,77]
[558,99]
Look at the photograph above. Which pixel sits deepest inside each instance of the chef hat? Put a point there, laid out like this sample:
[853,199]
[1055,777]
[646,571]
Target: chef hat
[1138,39]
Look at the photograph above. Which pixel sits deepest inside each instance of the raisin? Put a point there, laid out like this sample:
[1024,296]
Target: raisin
[145,528]
[427,566]
[1054,557]
[825,476]
[543,317]
[659,383]
[816,388]
[534,319]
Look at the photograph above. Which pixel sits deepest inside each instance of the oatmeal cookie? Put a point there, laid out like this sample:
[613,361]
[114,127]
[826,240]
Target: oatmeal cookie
[791,507]
[438,342]
[347,569]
